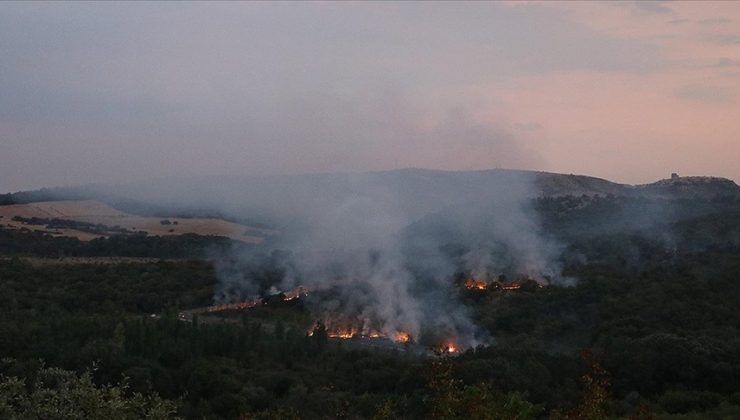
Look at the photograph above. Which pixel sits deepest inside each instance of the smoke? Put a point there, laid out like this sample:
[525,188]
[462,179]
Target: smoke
[381,249]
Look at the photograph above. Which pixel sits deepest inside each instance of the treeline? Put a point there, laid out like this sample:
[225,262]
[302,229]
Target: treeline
[29,243]
[55,223]
[46,194]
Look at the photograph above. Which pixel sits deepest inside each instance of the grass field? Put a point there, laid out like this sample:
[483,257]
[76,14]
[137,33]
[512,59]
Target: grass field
[96,212]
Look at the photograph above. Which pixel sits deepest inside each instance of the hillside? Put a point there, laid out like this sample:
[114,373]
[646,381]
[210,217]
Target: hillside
[552,185]
[234,190]
[89,219]
[691,187]
[650,313]
[242,208]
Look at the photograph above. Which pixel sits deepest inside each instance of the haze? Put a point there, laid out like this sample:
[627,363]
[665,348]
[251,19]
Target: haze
[116,92]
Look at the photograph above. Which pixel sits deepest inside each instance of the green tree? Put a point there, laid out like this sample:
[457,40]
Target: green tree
[60,394]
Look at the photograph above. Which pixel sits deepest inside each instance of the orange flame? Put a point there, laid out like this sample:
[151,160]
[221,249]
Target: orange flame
[235,306]
[296,293]
[345,334]
[476,284]
[448,347]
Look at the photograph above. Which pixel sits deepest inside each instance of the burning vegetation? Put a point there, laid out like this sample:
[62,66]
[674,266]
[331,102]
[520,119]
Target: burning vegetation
[401,337]
[502,284]
[288,296]
[448,348]
[346,333]
[476,284]
[344,326]
[433,343]
[337,329]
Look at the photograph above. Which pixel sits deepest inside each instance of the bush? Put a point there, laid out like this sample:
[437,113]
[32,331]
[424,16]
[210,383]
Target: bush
[60,394]
[680,402]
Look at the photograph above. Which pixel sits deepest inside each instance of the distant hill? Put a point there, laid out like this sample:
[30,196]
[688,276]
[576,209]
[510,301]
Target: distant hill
[691,187]
[550,184]
[263,200]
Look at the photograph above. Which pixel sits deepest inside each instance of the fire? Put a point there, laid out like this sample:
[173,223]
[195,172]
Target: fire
[476,284]
[296,293]
[449,347]
[290,295]
[347,332]
[235,306]
[345,335]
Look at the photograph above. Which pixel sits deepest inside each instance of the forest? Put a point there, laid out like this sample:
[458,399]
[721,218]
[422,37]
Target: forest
[648,331]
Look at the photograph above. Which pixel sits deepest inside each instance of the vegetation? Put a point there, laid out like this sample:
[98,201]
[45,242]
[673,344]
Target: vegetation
[55,223]
[19,243]
[649,331]
[59,394]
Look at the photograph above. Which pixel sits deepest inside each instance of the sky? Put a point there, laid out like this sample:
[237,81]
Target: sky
[117,92]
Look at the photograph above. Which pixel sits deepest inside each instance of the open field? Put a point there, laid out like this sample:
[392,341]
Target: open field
[98,213]
[42,261]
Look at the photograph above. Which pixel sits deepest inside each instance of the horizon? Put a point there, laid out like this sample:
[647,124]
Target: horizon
[359,172]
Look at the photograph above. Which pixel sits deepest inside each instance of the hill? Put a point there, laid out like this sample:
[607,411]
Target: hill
[90,219]
[416,182]
[242,207]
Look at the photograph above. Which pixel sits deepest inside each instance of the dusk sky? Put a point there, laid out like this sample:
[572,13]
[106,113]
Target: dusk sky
[116,92]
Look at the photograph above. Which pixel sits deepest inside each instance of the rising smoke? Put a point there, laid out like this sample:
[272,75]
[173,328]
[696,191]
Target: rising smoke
[385,246]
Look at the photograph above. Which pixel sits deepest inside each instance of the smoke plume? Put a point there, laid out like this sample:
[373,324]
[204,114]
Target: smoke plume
[383,248]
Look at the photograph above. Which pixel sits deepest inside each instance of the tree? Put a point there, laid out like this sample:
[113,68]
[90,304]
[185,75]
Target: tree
[60,394]
[319,335]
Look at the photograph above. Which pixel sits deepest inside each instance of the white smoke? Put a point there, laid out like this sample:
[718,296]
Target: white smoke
[389,244]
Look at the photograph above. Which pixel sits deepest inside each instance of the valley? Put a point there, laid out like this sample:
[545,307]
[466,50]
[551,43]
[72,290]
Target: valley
[222,324]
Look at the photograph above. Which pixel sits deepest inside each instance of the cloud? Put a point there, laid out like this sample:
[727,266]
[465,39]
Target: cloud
[714,21]
[152,89]
[725,62]
[528,126]
[705,94]
[651,7]
[113,92]
[723,39]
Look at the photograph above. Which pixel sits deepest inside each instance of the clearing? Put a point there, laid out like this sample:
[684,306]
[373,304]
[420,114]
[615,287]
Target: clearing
[98,213]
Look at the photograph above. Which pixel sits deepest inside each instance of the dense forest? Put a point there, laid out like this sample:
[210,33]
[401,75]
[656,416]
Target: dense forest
[650,330]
